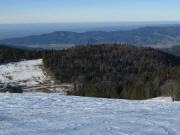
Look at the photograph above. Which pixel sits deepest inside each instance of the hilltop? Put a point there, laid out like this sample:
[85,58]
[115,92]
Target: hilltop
[113,70]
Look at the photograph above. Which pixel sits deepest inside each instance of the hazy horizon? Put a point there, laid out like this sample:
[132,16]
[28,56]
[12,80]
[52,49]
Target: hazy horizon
[76,11]
[19,30]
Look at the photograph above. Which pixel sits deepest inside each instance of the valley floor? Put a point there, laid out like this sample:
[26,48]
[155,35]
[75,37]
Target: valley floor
[54,114]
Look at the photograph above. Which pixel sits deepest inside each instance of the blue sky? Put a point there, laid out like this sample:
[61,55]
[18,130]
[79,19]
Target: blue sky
[45,11]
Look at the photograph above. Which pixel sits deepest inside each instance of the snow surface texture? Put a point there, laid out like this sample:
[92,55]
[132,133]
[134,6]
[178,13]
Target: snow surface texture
[53,114]
[27,73]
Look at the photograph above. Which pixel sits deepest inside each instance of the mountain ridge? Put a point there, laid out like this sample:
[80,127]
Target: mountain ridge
[148,36]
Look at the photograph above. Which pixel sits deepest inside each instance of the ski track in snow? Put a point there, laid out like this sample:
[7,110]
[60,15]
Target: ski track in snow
[27,72]
[54,114]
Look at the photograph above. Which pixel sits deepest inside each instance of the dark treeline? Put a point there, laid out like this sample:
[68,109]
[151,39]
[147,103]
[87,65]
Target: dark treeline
[161,83]
[111,70]
[147,85]
[9,54]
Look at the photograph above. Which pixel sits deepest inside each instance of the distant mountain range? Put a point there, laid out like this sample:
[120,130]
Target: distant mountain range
[148,36]
[22,30]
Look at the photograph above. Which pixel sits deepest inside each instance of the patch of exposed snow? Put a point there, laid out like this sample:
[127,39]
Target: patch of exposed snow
[53,114]
[27,73]
[166,99]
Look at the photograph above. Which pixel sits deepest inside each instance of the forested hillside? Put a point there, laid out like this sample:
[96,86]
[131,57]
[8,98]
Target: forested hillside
[112,71]
[9,54]
[109,70]
[164,36]
[143,86]
[173,50]
[162,83]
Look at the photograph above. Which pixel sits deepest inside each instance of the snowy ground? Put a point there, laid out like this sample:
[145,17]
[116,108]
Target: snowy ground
[31,76]
[53,114]
[27,73]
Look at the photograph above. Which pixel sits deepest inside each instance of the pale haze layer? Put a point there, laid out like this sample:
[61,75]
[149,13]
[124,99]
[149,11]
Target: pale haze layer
[52,11]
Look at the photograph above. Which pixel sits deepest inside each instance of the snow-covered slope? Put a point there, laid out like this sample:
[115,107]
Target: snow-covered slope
[53,114]
[27,73]
[31,76]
